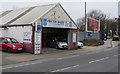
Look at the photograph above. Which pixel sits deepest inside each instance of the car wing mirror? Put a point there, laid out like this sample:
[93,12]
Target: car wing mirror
[5,42]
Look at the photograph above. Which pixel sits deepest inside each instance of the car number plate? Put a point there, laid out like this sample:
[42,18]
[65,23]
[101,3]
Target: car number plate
[19,48]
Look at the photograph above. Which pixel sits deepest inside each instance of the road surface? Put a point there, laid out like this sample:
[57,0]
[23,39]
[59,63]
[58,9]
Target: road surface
[97,61]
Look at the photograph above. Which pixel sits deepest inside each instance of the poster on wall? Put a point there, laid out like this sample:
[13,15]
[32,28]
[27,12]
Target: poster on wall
[27,37]
[74,37]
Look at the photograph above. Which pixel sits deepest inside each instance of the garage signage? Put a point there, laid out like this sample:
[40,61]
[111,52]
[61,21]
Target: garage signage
[74,37]
[56,23]
[37,42]
[27,37]
[90,34]
[38,27]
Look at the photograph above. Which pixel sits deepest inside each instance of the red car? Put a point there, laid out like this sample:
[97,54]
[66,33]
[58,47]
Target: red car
[10,44]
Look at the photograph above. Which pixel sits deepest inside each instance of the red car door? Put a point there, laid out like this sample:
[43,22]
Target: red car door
[0,45]
[3,43]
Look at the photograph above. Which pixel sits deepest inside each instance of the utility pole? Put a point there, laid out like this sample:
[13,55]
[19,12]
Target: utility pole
[85,23]
[117,25]
[117,19]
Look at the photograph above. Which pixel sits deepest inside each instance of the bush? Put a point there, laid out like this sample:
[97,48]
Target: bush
[93,42]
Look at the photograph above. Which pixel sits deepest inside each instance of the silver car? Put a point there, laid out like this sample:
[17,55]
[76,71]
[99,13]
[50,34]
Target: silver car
[57,42]
[61,45]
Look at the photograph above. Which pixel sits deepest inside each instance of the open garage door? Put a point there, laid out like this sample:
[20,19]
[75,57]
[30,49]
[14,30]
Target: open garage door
[51,37]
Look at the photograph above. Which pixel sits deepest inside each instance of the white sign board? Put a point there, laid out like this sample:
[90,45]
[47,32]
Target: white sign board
[37,48]
[74,37]
[27,37]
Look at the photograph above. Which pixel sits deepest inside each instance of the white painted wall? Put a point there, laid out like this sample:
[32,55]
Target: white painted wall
[16,32]
[0,32]
[58,13]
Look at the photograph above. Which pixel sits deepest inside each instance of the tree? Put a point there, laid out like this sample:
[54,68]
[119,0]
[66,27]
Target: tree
[106,24]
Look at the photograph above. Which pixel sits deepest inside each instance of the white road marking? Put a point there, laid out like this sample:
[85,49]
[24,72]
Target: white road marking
[91,61]
[20,65]
[93,52]
[76,66]
[65,68]
[59,58]
[98,60]
[115,55]
[68,57]
[75,56]
[45,73]
[15,66]
[56,70]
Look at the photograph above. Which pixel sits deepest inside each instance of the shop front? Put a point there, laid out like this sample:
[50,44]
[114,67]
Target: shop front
[48,31]
[35,27]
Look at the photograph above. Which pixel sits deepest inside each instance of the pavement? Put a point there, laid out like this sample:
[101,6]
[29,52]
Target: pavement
[49,53]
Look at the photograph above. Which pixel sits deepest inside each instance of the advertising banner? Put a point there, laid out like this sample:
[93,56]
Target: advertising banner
[93,25]
[56,23]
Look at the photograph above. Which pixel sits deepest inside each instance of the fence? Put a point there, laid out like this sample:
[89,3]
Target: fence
[88,35]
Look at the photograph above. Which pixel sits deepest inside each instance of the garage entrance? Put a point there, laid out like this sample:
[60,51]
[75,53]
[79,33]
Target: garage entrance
[50,35]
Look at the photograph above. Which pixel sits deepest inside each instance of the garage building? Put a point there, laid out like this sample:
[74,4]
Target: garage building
[32,26]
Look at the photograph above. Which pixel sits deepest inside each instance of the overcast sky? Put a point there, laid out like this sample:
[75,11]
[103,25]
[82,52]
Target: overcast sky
[75,9]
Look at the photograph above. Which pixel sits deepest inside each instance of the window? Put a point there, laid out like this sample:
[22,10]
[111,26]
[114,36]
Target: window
[3,39]
[11,40]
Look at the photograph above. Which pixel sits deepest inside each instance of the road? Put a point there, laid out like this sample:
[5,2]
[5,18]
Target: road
[97,61]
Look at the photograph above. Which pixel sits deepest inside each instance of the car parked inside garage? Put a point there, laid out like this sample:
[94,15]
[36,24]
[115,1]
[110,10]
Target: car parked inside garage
[57,42]
[10,44]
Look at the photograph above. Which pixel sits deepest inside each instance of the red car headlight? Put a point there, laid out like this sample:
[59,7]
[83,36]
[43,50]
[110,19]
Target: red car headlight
[14,46]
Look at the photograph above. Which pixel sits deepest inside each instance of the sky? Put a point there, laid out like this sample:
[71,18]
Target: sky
[76,9]
[119,8]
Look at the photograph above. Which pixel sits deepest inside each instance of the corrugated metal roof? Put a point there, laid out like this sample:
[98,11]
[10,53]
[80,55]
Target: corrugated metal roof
[5,13]
[13,14]
[33,15]
[27,15]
